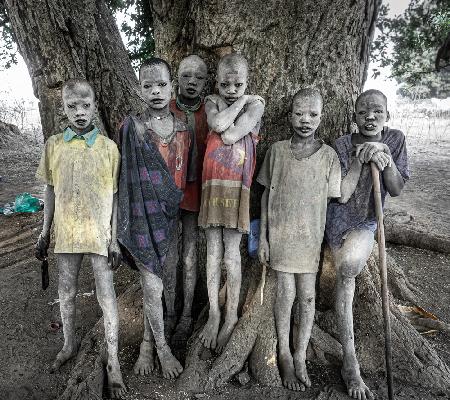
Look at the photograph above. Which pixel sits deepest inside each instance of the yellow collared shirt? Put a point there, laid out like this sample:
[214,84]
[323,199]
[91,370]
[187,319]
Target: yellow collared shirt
[84,177]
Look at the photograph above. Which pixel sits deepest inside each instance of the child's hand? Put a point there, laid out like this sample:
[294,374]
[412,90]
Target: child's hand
[114,255]
[263,251]
[251,98]
[41,247]
[381,160]
[366,150]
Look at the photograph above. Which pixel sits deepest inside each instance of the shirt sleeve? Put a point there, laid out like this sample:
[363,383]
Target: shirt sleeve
[343,153]
[334,177]
[400,156]
[45,169]
[115,166]
[265,175]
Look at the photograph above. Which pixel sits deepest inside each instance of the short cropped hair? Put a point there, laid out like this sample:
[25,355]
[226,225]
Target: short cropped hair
[71,83]
[306,92]
[153,61]
[192,57]
[371,92]
[231,60]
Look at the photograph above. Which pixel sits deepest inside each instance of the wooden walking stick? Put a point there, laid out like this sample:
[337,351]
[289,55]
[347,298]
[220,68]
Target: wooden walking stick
[383,273]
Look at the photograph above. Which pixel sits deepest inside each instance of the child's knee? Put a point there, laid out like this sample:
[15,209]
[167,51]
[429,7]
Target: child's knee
[232,259]
[152,285]
[107,301]
[307,301]
[189,258]
[351,263]
[67,292]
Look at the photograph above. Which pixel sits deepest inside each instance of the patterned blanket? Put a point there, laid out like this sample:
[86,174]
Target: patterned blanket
[148,200]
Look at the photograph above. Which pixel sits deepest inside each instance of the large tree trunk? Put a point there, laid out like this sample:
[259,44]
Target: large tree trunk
[79,38]
[288,44]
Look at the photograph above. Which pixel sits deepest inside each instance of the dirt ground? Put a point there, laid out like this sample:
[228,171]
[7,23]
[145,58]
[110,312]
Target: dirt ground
[30,338]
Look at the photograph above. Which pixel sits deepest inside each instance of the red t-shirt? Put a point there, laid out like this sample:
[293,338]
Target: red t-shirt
[199,126]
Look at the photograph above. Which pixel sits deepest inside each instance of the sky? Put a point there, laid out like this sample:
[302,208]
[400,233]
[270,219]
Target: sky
[15,83]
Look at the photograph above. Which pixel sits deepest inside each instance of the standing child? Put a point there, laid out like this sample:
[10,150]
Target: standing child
[155,168]
[351,222]
[80,167]
[234,121]
[188,107]
[300,175]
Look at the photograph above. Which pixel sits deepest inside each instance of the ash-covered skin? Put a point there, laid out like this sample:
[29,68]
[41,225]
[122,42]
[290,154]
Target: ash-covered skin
[192,76]
[79,106]
[156,88]
[232,81]
[232,123]
[370,116]
[304,117]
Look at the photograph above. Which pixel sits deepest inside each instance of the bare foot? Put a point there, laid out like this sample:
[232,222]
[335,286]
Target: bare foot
[355,385]
[300,370]
[208,336]
[116,387]
[170,366]
[287,372]
[62,357]
[169,325]
[224,335]
[182,332]
[145,363]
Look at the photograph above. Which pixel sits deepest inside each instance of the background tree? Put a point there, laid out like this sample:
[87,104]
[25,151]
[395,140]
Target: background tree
[289,44]
[410,43]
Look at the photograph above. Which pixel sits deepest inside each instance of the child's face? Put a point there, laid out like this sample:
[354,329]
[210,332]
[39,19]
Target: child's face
[305,115]
[232,83]
[192,78]
[79,106]
[156,86]
[371,114]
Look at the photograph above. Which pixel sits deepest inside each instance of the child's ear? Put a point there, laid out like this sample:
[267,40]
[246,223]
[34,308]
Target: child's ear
[388,116]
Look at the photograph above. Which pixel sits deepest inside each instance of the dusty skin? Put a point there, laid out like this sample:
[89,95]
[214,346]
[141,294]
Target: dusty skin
[305,116]
[370,116]
[156,88]
[192,76]
[79,106]
[223,243]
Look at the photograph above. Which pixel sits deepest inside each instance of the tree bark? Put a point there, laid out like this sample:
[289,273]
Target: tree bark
[65,39]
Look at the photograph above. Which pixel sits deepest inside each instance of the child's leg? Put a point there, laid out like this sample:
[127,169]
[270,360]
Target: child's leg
[306,295]
[106,297]
[170,284]
[190,235]
[145,363]
[152,287]
[283,308]
[232,261]
[214,255]
[68,267]
[349,260]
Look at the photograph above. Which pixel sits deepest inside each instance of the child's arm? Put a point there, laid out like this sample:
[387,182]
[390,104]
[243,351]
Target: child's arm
[350,181]
[219,121]
[392,178]
[114,256]
[245,123]
[49,211]
[263,247]
[380,154]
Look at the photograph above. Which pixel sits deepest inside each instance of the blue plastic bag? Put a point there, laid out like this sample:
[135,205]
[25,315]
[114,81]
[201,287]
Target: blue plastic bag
[253,238]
